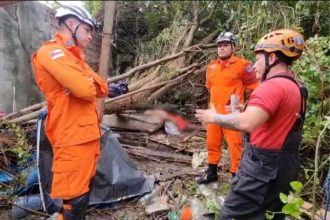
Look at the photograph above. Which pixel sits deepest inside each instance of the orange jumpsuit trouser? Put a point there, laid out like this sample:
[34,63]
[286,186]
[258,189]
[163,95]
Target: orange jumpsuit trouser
[73,169]
[214,140]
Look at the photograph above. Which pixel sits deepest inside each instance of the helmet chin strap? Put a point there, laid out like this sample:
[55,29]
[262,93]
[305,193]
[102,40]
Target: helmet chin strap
[268,67]
[74,33]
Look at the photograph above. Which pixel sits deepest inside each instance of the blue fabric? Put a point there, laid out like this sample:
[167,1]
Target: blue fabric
[5,177]
[42,115]
[31,182]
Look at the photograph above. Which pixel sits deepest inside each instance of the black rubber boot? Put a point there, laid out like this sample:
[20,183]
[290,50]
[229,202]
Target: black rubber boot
[210,175]
[79,208]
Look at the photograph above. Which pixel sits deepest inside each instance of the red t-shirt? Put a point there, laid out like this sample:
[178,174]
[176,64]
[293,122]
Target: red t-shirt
[280,98]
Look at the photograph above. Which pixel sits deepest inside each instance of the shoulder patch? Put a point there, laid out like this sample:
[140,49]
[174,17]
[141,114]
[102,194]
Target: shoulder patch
[249,68]
[56,53]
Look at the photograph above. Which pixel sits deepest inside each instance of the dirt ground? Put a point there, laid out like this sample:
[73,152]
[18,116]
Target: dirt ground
[178,189]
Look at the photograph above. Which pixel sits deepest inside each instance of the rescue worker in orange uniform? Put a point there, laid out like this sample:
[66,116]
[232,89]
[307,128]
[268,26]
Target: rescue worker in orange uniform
[71,89]
[225,77]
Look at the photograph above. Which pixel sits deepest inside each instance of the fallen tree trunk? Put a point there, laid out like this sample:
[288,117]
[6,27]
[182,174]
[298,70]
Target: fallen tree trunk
[25,118]
[139,99]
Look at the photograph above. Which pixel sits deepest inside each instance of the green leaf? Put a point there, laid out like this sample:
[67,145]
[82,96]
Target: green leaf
[212,206]
[300,202]
[292,210]
[269,215]
[296,186]
[283,198]
[173,215]
[288,209]
[296,214]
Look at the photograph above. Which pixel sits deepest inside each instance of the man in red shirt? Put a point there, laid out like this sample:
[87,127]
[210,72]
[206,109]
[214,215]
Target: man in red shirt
[273,118]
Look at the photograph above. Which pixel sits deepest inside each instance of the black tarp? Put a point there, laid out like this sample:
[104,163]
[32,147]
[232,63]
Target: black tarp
[116,178]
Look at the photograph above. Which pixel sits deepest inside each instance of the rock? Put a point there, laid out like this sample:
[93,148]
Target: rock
[159,204]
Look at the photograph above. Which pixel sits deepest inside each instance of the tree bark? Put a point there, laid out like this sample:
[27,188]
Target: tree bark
[105,56]
[194,26]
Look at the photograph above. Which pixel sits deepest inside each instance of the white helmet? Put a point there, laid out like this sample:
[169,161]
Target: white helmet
[82,14]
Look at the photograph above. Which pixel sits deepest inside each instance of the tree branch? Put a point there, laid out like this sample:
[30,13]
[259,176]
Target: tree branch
[145,66]
[156,62]
[316,166]
[210,14]
[177,44]
[194,26]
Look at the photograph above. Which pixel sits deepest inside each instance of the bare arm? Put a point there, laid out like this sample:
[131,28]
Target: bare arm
[247,121]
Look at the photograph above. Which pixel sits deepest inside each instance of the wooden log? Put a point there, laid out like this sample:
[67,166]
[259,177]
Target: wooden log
[181,173]
[165,155]
[142,155]
[24,111]
[24,118]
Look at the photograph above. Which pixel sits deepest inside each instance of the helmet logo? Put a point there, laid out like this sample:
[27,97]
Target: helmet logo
[290,40]
[298,40]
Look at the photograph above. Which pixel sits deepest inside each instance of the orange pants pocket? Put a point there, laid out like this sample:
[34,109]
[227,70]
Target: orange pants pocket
[64,174]
[73,169]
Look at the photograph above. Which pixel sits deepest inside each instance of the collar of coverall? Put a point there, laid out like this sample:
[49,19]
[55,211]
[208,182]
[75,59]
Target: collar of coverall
[69,44]
[232,59]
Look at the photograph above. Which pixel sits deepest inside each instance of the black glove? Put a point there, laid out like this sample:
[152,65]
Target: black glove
[117,89]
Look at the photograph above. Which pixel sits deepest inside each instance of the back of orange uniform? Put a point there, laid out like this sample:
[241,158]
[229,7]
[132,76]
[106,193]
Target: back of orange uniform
[72,126]
[224,78]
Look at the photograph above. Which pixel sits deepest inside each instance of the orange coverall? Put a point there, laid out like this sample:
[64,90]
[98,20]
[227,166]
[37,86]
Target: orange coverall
[224,78]
[71,88]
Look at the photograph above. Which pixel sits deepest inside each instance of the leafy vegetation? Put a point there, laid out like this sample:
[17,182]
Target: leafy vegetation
[293,202]
[22,149]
